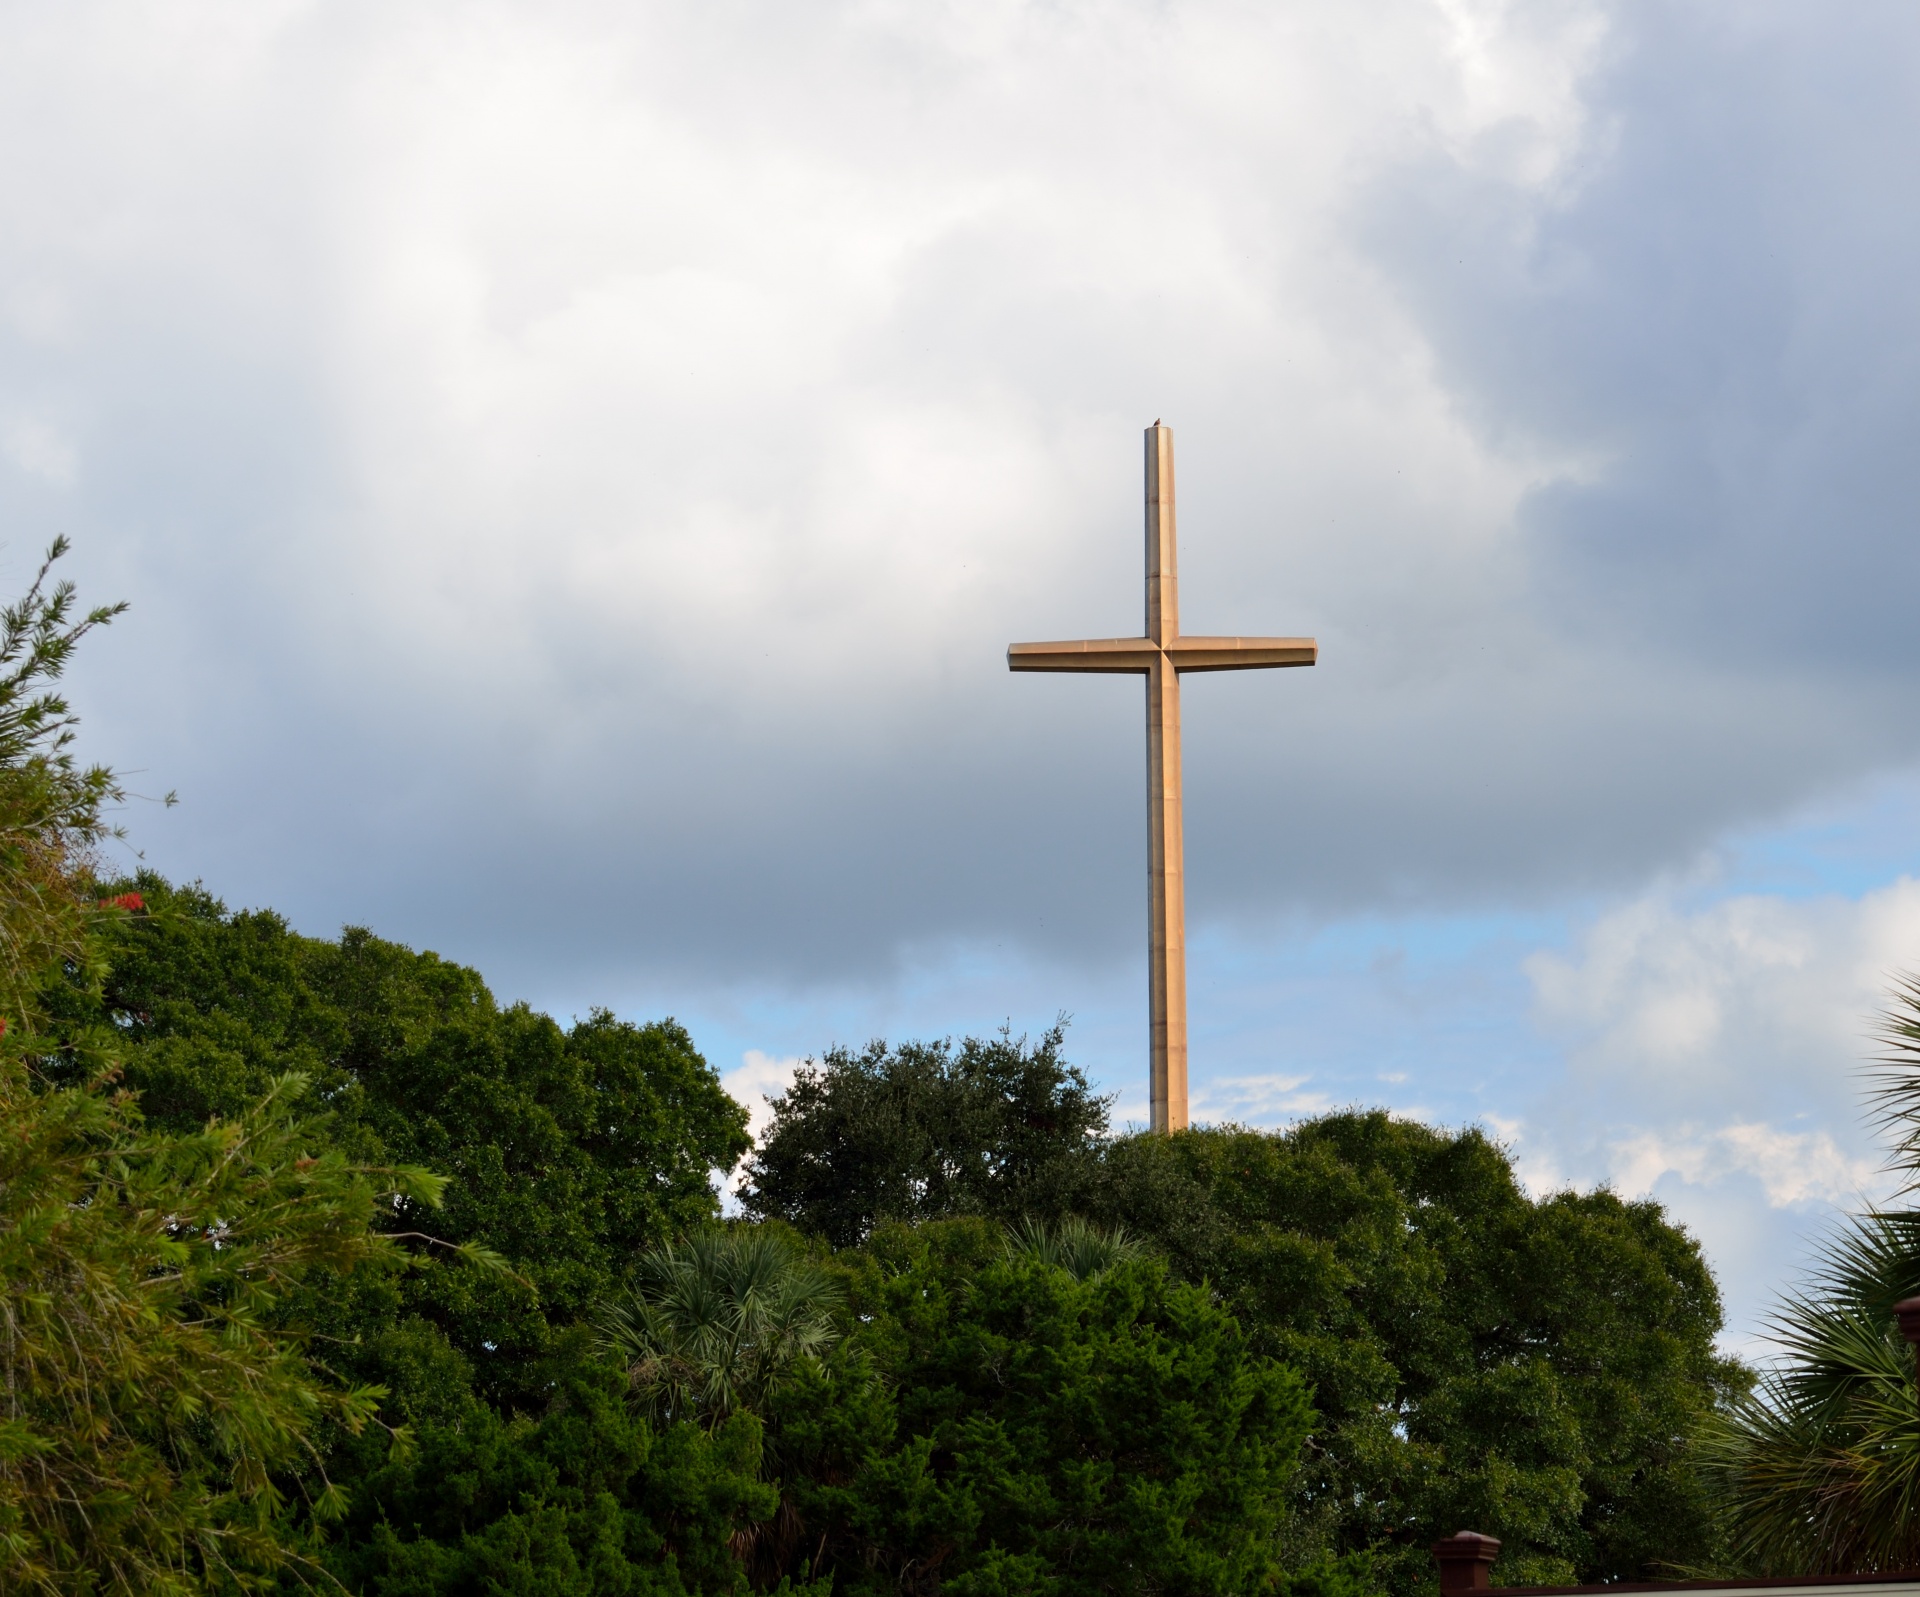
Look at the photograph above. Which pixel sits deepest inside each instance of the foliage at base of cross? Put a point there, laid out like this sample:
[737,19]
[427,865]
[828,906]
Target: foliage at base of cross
[1001,1423]
[1475,1356]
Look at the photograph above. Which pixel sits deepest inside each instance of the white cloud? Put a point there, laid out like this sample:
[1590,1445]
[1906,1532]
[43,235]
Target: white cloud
[757,1078]
[1755,1000]
[751,1083]
[1793,1168]
[1714,1056]
[675,396]
[1255,1099]
[678,396]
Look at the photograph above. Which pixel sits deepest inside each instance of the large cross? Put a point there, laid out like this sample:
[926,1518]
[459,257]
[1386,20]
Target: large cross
[1160,657]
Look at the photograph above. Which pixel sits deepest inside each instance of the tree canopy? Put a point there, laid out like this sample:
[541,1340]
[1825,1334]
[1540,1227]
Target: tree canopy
[924,1131]
[569,1151]
[1457,1352]
[1540,1369]
[581,1156]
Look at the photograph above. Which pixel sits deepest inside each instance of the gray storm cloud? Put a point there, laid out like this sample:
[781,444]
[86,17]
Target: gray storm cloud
[578,468]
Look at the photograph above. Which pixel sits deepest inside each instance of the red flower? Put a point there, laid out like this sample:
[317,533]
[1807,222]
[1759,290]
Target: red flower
[129,901]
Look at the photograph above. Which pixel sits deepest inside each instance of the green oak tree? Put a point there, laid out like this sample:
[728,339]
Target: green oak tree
[1539,1369]
[925,1131]
[570,1151]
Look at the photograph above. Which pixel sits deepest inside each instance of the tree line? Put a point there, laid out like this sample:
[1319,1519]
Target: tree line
[326,1270]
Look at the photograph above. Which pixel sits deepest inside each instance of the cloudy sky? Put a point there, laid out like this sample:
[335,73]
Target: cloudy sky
[577,468]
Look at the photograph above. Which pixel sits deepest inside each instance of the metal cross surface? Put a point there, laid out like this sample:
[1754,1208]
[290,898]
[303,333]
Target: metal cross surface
[1161,657]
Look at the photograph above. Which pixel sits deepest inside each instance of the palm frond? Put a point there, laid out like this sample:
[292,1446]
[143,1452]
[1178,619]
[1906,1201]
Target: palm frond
[713,1324]
[1820,1462]
[1081,1248]
[1894,1094]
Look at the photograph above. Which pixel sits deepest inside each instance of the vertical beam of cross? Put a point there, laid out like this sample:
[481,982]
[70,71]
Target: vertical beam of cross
[1166,847]
[1161,656]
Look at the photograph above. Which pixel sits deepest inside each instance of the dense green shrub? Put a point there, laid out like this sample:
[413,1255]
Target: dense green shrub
[583,1499]
[999,1423]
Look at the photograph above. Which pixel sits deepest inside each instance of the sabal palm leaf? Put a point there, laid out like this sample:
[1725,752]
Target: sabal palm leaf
[712,1325]
[1895,1094]
[1821,1461]
[1079,1247]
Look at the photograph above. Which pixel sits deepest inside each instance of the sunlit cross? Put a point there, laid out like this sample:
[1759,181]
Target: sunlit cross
[1161,656]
